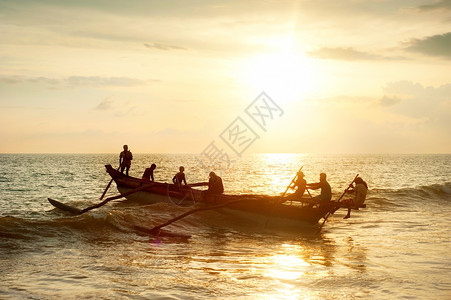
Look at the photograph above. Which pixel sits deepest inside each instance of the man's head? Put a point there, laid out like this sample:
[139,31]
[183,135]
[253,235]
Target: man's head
[181,169]
[322,177]
[125,147]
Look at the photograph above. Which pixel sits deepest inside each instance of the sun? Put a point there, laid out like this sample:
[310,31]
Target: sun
[286,73]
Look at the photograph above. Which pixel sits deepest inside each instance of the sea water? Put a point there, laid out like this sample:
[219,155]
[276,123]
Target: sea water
[396,248]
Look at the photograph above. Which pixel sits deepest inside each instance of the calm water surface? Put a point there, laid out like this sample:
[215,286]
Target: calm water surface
[396,248]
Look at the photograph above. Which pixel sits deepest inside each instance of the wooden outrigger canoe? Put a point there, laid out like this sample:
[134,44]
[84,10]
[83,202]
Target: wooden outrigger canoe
[255,207]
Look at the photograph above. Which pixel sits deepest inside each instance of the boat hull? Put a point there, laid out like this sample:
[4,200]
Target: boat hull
[258,208]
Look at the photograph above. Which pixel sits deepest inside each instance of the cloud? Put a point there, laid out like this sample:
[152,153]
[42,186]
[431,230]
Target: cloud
[106,104]
[164,47]
[102,81]
[436,45]
[347,54]
[439,5]
[414,100]
[389,100]
[75,81]
[118,107]
[10,80]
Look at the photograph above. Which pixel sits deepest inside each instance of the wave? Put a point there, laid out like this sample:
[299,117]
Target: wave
[102,223]
[413,198]
[434,191]
[125,218]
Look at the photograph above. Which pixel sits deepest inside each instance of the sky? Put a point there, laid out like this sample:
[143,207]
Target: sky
[352,76]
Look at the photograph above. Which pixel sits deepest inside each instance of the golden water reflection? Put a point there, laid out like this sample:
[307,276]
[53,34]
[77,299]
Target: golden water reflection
[288,267]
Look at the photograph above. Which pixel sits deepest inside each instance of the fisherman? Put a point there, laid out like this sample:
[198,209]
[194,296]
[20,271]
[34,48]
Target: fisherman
[215,185]
[148,173]
[326,193]
[300,184]
[360,191]
[125,160]
[179,177]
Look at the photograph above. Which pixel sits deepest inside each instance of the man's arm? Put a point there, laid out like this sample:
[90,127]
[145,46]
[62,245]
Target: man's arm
[314,186]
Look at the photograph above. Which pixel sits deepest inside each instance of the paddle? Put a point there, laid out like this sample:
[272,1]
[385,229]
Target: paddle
[106,189]
[156,230]
[344,193]
[108,186]
[282,200]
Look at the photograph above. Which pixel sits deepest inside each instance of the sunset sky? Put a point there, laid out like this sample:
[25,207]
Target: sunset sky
[355,76]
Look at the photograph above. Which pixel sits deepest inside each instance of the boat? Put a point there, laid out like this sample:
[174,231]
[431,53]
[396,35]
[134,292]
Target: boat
[272,210]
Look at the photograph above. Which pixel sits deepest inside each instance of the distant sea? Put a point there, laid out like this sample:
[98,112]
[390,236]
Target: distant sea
[396,248]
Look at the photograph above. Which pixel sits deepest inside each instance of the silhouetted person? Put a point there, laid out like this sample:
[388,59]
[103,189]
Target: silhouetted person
[215,185]
[179,177]
[300,184]
[148,173]
[360,190]
[326,192]
[125,160]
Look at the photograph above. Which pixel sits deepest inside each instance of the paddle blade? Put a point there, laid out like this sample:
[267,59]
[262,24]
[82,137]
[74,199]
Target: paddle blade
[160,232]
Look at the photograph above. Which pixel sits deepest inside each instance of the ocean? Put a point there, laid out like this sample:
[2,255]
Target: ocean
[398,247]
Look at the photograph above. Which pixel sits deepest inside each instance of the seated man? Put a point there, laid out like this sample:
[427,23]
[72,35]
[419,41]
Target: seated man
[215,186]
[300,184]
[179,178]
[326,192]
[148,173]
[360,191]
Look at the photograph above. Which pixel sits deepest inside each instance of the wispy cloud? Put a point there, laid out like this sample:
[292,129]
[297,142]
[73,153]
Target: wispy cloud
[418,101]
[436,45]
[161,46]
[347,54]
[441,5]
[76,81]
[105,104]
[118,107]
[389,100]
[102,81]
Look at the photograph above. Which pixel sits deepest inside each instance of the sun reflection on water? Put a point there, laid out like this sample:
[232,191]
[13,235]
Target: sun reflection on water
[287,268]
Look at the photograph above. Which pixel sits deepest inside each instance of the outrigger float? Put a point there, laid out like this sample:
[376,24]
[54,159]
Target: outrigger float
[273,211]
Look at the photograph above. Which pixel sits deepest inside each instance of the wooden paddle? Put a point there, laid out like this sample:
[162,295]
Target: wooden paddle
[344,193]
[282,200]
[109,184]
[156,230]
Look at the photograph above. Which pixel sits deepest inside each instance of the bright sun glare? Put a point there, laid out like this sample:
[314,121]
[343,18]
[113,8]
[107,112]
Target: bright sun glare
[286,73]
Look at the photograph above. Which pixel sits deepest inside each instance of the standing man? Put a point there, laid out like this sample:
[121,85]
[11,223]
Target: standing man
[125,160]
[326,192]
